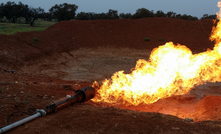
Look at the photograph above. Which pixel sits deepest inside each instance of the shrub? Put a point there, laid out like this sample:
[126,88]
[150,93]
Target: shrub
[161,39]
[146,39]
[35,40]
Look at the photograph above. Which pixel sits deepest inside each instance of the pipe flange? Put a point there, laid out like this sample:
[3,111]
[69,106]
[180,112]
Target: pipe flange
[41,111]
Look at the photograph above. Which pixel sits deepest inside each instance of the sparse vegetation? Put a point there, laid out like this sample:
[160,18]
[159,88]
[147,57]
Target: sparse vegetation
[146,39]
[35,40]
[161,39]
[12,28]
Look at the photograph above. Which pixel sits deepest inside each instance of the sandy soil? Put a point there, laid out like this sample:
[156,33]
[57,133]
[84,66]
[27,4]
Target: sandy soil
[32,75]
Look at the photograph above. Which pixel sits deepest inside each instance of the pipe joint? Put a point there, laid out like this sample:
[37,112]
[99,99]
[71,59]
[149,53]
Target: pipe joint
[41,111]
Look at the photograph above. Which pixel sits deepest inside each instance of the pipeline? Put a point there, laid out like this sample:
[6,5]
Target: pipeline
[79,96]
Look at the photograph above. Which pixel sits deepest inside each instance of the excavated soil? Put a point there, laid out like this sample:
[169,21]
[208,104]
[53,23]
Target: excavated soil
[71,55]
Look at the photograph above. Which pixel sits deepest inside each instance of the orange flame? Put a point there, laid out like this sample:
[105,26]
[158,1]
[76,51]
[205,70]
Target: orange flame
[170,70]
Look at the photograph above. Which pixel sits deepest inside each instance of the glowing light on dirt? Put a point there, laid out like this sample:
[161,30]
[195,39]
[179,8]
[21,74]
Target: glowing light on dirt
[170,70]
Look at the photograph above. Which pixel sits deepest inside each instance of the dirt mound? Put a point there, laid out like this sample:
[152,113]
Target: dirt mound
[130,33]
[20,49]
[209,108]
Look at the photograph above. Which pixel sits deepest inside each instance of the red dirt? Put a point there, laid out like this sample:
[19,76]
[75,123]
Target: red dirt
[23,89]
[70,35]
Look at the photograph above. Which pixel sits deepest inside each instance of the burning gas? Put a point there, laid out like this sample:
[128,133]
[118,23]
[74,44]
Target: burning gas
[170,70]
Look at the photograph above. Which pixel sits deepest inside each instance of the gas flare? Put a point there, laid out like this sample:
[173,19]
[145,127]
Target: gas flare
[170,70]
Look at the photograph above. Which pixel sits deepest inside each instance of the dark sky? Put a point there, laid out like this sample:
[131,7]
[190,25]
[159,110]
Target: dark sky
[190,7]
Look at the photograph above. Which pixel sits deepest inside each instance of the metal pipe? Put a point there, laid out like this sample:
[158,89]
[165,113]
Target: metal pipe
[18,123]
[80,96]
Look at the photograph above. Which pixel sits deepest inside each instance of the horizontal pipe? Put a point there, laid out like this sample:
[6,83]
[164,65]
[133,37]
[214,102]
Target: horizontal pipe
[18,123]
[80,96]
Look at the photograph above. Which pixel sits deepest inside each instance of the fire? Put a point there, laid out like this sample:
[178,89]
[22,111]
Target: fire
[170,70]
